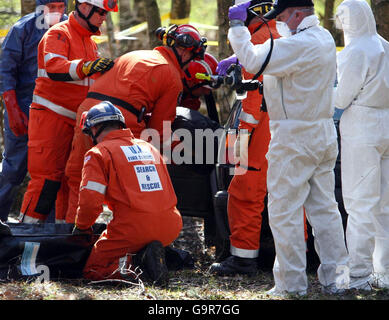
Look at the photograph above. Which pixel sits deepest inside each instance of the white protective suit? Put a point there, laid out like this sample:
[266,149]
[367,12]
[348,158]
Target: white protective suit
[363,91]
[298,86]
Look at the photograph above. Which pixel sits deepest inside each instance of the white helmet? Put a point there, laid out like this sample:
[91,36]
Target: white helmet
[108,5]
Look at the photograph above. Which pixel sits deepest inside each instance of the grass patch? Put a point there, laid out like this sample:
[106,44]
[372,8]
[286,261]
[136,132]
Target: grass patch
[194,284]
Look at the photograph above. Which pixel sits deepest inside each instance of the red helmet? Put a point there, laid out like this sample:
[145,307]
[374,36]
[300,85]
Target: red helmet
[107,5]
[183,36]
[208,66]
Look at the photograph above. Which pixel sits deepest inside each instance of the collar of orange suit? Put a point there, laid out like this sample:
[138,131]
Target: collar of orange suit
[80,29]
[171,57]
[120,133]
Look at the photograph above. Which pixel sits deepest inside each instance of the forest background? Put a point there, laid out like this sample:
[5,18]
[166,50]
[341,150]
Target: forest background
[133,26]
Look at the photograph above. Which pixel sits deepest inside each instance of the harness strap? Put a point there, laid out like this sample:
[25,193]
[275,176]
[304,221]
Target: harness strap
[121,103]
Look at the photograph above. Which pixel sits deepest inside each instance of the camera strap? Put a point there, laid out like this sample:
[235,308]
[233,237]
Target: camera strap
[266,62]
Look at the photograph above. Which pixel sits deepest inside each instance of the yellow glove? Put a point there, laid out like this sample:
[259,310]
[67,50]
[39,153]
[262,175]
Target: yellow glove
[99,65]
[241,147]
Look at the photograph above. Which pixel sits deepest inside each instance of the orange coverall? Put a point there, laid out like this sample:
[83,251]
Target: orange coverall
[247,192]
[130,176]
[149,78]
[60,88]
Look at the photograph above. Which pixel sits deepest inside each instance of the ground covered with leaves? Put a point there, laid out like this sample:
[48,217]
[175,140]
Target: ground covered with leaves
[191,284]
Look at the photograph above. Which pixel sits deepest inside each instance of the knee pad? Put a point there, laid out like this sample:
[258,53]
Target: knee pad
[47,196]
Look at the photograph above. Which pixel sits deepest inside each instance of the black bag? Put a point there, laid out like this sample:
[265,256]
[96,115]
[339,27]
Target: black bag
[51,252]
[47,249]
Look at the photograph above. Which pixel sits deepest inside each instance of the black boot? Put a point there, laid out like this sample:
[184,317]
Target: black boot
[151,260]
[235,265]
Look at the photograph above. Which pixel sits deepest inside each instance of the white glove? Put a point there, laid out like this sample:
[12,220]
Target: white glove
[241,147]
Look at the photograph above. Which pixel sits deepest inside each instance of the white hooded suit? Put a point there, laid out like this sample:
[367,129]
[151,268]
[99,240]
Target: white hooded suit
[298,87]
[363,91]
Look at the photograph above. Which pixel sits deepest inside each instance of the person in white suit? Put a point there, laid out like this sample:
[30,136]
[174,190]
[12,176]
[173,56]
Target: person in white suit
[298,86]
[363,93]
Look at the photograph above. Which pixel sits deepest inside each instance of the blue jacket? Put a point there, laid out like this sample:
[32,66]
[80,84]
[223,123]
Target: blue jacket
[19,65]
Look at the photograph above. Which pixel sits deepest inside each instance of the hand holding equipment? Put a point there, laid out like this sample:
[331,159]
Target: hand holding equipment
[224,64]
[233,78]
[99,65]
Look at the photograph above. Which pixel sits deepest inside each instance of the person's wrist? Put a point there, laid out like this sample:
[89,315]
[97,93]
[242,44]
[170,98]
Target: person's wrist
[236,23]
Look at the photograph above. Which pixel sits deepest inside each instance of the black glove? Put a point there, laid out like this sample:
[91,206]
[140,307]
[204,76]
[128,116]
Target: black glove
[99,65]
[4,229]
[88,233]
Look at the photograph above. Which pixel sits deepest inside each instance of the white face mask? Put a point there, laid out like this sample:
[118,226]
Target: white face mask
[283,29]
[52,18]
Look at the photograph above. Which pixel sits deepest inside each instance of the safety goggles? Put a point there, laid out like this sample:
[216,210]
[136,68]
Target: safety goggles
[260,8]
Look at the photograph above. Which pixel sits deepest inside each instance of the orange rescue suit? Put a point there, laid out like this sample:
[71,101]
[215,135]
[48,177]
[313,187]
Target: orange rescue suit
[60,88]
[247,191]
[144,78]
[129,175]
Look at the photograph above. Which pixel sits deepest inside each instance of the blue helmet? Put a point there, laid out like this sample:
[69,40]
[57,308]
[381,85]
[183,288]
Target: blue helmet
[43,2]
[101,113]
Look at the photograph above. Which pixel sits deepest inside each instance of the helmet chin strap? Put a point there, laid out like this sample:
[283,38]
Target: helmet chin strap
[99,131]
[86,19]
[179,58]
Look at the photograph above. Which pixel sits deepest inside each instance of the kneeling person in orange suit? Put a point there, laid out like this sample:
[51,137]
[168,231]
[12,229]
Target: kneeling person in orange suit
[130,176]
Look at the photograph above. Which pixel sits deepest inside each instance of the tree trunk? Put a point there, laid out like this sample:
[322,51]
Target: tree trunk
[180,11]
[381,12]
[153,19]
[130,17]
[124,22]
[329,24]
[28,6]
[224,94]
[125,14]
[224,49]
[111,37]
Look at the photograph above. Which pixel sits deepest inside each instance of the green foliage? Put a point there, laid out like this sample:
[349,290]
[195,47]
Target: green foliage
[9,13]
[202,11]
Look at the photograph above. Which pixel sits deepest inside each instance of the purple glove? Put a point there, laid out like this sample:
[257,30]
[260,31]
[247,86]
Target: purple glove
[239,11]
[223,65]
